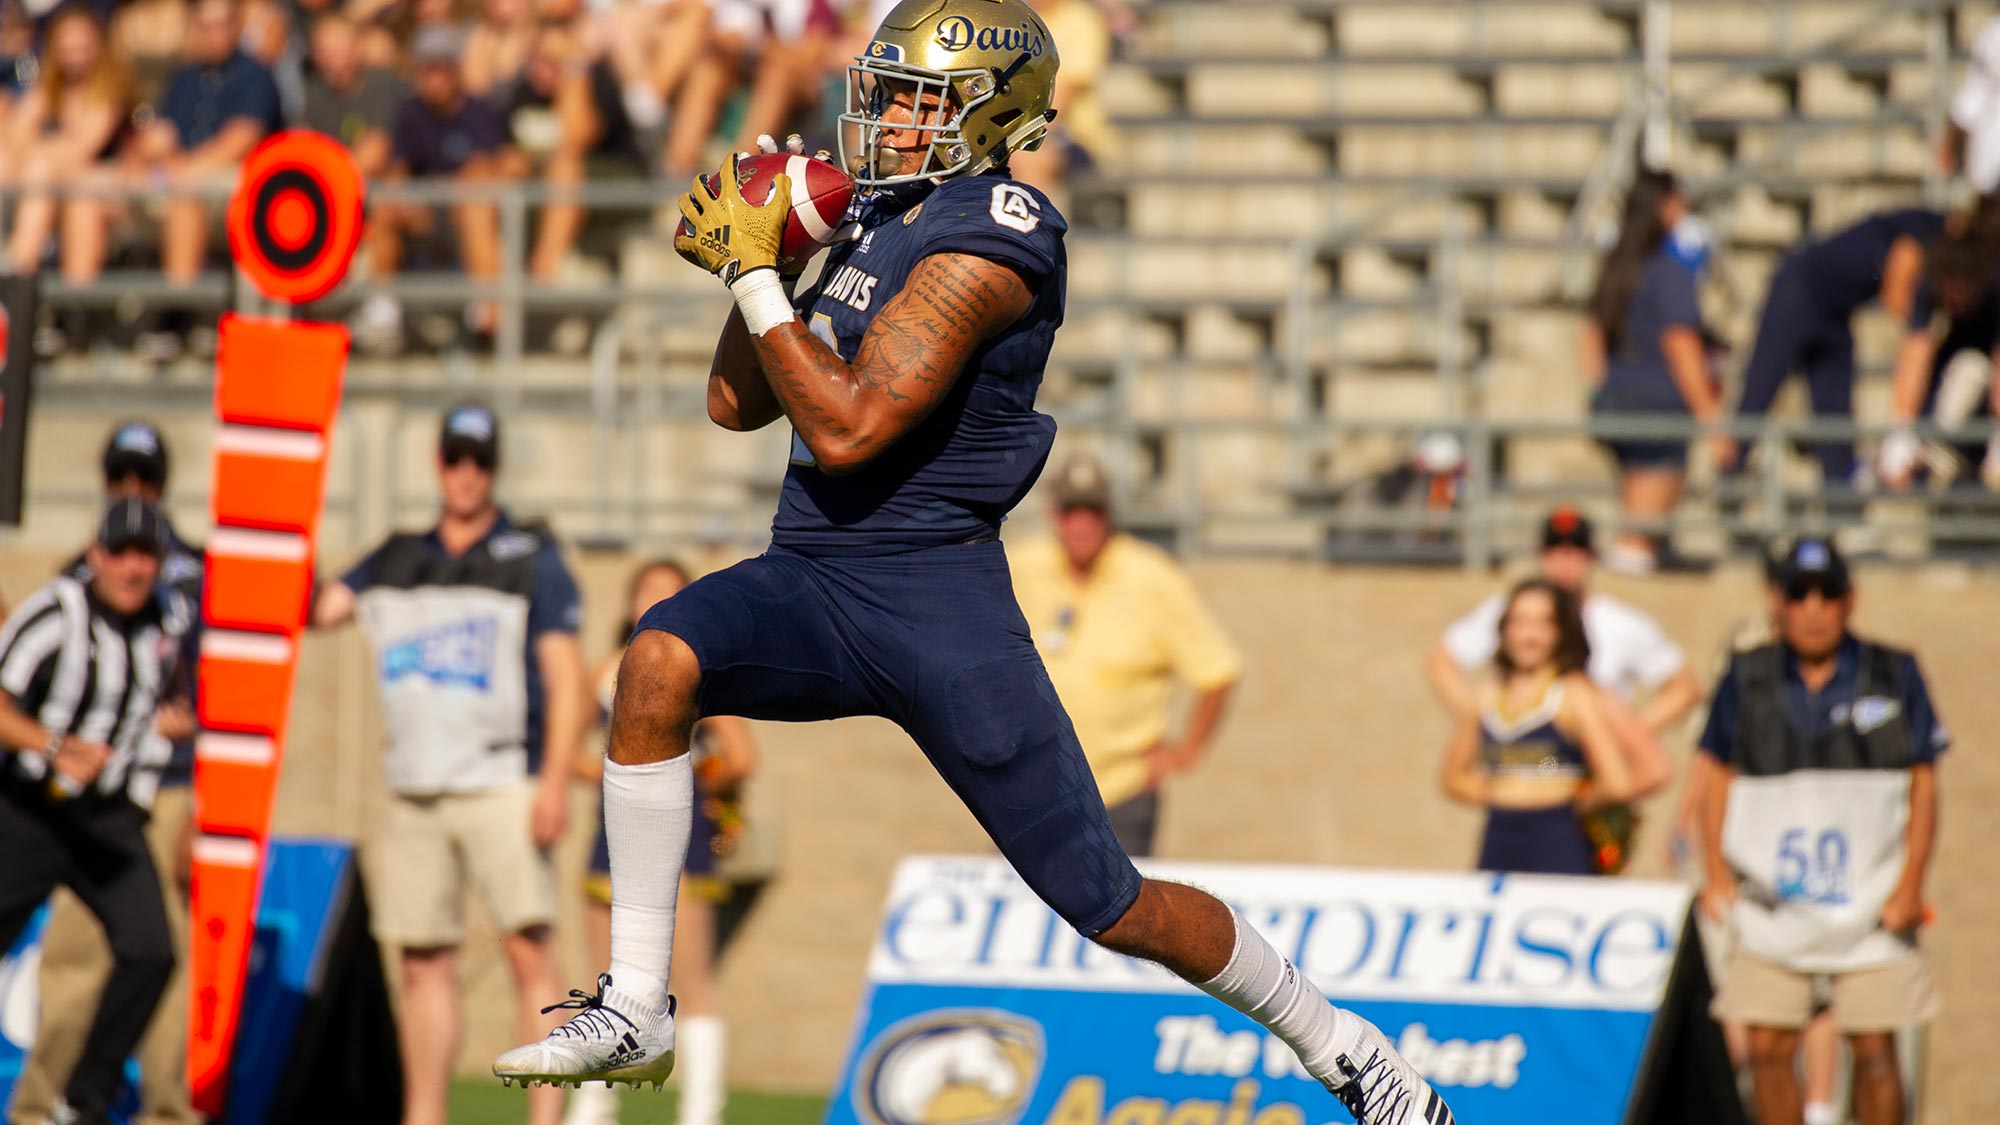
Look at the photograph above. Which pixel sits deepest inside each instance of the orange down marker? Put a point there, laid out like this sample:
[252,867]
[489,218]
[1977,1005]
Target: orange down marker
[294,223]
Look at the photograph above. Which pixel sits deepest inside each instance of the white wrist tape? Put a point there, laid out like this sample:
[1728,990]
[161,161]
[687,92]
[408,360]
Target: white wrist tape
[760,294]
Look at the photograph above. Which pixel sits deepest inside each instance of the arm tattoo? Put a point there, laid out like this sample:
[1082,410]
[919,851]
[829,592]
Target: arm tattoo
[912,355]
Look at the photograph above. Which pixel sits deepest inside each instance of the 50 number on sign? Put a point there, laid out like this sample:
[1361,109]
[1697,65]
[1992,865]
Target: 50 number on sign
[1813,869]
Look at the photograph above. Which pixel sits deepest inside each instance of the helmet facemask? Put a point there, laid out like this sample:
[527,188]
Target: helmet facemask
[940,104]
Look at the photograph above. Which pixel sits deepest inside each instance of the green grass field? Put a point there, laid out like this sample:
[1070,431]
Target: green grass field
[474,1102]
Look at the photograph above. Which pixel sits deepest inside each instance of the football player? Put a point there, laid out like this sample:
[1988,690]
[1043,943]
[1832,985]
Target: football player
[908,375]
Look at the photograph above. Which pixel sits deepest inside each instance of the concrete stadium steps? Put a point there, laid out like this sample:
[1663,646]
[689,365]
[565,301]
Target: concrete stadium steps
[1386,392]
[1281,89]
[1308,208]
[1858,150]
[1452,29]
[1190,270]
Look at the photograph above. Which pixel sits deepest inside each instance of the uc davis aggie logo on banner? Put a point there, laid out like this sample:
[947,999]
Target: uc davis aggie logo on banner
[974,1067]
[1524,1000]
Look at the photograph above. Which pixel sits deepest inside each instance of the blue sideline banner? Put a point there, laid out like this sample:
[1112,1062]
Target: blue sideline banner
[1525,1000]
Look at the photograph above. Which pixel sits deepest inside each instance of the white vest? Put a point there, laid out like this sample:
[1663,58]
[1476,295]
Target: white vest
[451,664]
[1818,853]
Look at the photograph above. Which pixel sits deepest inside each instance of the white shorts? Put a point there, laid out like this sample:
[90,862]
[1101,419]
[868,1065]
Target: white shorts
[755,20]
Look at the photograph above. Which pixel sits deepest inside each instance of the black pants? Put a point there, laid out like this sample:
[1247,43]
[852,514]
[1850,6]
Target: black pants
[1137,823]
[98,850]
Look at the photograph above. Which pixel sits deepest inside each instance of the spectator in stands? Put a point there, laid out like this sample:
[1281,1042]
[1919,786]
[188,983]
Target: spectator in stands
[348,101]
[1949,373]
[725,756]
[1813,297]
[82,665]
[75,961]
[274,34]
[1644,351]
[1821,820]
[442,131]
[1972,134]
[1630,655]
[566,119]
[356,104]
[17,60]
[1536,750]
[484,703]
[496,49]
[213,113]
[1081,130]
[1119,625]
[780,44]
[655,70]
[69,122]
[150,35]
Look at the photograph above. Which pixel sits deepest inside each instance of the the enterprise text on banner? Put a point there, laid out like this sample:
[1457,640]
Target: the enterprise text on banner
[1517,996]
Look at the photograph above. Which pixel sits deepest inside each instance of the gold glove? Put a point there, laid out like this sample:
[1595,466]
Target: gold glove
[728,235]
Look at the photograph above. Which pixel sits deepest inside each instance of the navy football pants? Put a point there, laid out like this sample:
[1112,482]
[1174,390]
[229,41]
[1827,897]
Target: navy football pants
[932,640]
[1795,333]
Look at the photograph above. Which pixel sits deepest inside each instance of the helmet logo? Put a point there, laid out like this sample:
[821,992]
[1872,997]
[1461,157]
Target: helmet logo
[956,33]
[881,50]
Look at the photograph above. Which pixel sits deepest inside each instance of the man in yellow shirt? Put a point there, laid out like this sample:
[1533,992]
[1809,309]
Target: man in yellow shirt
[1118,623]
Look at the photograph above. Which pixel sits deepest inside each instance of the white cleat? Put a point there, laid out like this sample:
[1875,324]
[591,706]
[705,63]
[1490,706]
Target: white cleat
[1381,1087]
[615,1037]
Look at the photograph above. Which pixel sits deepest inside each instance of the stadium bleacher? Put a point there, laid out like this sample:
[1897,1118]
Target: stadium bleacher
[1330,211]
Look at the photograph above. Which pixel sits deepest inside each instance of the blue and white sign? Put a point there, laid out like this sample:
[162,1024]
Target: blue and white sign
[1523,999]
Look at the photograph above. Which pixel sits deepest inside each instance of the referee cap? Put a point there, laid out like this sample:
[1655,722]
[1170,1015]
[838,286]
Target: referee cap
[136,449]
[131,522]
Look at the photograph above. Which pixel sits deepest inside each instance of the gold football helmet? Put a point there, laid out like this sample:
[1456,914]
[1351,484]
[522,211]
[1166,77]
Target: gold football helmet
[980,74]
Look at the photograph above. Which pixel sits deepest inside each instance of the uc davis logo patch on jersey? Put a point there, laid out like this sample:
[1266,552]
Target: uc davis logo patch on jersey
[459,654]
[1014,208]
[972,1067]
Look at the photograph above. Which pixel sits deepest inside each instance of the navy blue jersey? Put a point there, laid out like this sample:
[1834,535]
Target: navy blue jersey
[1636,378]
[1844,270]
[958,473]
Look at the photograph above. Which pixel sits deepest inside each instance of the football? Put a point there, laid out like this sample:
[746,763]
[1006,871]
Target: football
[820,195]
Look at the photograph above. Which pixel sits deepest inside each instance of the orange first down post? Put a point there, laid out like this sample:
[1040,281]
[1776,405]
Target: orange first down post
[293,225]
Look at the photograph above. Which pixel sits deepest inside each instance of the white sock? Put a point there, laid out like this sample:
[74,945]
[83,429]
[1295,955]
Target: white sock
[1261,984]
[648,816]
[702,1059]
[1821,1113]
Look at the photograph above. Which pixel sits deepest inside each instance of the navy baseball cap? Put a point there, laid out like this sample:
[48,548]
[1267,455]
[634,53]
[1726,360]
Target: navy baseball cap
[470,430]
[131,522]
[1810,563]
[136,449]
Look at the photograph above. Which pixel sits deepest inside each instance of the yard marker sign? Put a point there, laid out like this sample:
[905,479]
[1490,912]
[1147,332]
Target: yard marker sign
[294,223]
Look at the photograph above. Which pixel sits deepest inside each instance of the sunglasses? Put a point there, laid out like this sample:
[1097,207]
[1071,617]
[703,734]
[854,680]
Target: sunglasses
[453,458]
[1799,589]
[121,548]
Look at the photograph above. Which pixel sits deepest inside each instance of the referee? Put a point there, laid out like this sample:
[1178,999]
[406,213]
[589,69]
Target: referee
[82,666]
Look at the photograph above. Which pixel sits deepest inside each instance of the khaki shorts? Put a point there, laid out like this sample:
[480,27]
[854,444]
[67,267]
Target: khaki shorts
[1885,998]
[428,849]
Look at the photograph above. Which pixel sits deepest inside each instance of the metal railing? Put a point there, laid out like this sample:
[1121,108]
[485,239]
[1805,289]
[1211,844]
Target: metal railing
[639,390]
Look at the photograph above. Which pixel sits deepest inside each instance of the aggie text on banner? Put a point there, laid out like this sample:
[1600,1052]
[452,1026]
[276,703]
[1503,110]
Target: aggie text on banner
[1518,997]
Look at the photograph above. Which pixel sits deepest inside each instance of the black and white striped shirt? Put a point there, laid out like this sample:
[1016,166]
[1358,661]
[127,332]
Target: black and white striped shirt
[78,669]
